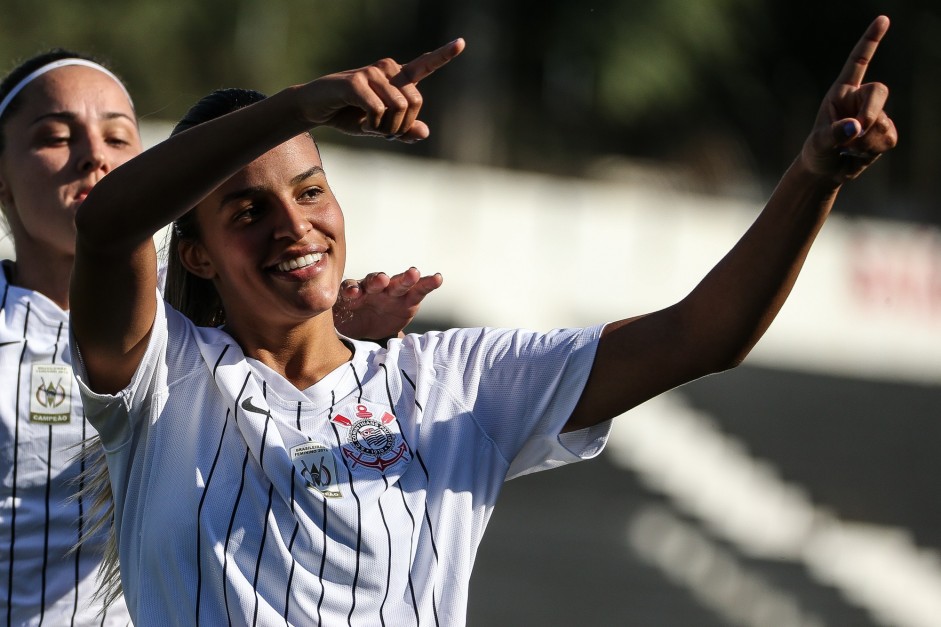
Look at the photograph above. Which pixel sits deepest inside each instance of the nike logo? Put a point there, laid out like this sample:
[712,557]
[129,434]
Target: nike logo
[247,405]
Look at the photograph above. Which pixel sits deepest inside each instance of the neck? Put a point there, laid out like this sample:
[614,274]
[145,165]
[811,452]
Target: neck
[48,274]
[303,354]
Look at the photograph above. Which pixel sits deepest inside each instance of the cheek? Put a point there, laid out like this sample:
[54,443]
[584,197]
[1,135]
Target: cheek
[30,188]
[338,224]
[47,163]
[222,246]
[341,246]
[120,157]
[38,181]
[234,253]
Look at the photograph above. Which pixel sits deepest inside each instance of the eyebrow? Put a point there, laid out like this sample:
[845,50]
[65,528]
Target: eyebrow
[306,175]
[68,116]
[247,192]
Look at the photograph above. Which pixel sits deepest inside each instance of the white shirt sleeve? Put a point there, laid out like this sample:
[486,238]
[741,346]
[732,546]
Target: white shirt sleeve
[521,387]
[113,415]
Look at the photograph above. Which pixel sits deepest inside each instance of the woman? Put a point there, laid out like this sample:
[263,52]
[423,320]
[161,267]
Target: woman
[65,122]
[270,471]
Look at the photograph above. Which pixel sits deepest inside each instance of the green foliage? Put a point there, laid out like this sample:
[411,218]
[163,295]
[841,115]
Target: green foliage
[655,56]
[726,86]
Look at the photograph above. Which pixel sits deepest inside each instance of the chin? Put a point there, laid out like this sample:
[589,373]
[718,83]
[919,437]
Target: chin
[319,297]
[312,309]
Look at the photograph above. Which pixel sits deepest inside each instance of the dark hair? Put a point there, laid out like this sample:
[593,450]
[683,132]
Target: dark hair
[195,296]
[26,68]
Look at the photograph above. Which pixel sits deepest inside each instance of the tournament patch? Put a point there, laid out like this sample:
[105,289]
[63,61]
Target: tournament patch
[371,442]
[50,394]
[316,464]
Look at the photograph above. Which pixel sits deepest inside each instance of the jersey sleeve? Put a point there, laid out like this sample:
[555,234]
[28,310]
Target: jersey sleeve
[114,415]
[521,388]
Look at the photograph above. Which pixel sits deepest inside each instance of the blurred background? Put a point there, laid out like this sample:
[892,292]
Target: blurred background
[590,161]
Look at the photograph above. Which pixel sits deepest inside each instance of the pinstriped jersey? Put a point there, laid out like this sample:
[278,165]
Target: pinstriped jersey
[359,501]
[41,422]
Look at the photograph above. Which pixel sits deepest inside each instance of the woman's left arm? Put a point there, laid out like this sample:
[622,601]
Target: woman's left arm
[718,323]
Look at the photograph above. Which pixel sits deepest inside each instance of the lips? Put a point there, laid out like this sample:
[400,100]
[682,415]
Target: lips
[82,194]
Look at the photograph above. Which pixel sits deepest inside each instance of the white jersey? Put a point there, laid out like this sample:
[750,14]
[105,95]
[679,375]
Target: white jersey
[359,501]
[41,422]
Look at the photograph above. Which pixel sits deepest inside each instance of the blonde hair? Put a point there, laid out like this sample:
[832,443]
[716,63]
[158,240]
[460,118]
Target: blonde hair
[93,486]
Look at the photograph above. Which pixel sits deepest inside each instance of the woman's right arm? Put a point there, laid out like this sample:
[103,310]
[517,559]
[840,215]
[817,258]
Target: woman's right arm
[113,289]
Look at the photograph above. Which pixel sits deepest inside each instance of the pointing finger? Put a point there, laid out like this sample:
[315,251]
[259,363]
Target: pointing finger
[855,68]
[421,67]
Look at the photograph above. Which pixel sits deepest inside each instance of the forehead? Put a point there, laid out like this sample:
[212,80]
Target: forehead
[75,89]
[278,166]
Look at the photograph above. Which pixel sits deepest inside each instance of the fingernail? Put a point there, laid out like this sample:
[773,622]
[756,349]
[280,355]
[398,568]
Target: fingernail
[849,129]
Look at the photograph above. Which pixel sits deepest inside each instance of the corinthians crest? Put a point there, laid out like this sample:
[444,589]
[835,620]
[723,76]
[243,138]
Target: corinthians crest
[372,443]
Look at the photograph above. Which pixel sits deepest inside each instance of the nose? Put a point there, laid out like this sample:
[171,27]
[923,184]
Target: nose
[292,222]
[93,155]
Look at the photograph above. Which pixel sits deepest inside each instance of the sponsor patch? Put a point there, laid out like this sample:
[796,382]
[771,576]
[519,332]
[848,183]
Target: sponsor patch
[315,464]
[51,394]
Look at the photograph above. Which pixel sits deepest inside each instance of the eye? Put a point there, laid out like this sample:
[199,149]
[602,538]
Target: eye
[51,133]
[247,214]
[54,139]
[119,133]
[311,193]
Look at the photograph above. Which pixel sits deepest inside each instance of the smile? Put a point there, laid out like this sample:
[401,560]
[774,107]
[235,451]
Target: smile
[299,262]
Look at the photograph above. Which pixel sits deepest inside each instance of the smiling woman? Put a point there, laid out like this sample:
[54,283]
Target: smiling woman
[236,207]
[272,243]
[271,470]
[65,123]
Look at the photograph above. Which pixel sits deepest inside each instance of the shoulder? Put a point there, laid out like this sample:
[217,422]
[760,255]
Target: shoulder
[466,356]
[499,343]
[188,346]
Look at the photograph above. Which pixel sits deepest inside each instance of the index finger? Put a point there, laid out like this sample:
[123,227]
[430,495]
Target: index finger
[855,68]
[421,67]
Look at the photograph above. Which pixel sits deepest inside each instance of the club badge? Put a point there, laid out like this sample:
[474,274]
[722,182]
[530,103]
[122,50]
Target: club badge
[51,394]
[371,441]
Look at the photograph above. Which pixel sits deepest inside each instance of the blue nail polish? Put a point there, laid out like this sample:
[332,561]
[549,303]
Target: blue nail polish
[849,128]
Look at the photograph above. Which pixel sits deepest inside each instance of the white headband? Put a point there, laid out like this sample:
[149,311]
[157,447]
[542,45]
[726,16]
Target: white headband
[55,65]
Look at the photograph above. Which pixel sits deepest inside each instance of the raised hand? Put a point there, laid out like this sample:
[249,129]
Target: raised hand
[378,306]
[379,99]
[852,128]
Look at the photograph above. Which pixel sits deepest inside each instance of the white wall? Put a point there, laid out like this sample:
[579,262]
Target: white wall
[536,251]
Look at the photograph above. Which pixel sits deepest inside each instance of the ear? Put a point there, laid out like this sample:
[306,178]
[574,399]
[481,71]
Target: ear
[195,259]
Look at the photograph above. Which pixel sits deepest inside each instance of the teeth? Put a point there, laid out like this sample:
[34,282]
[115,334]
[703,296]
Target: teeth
[299,262]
